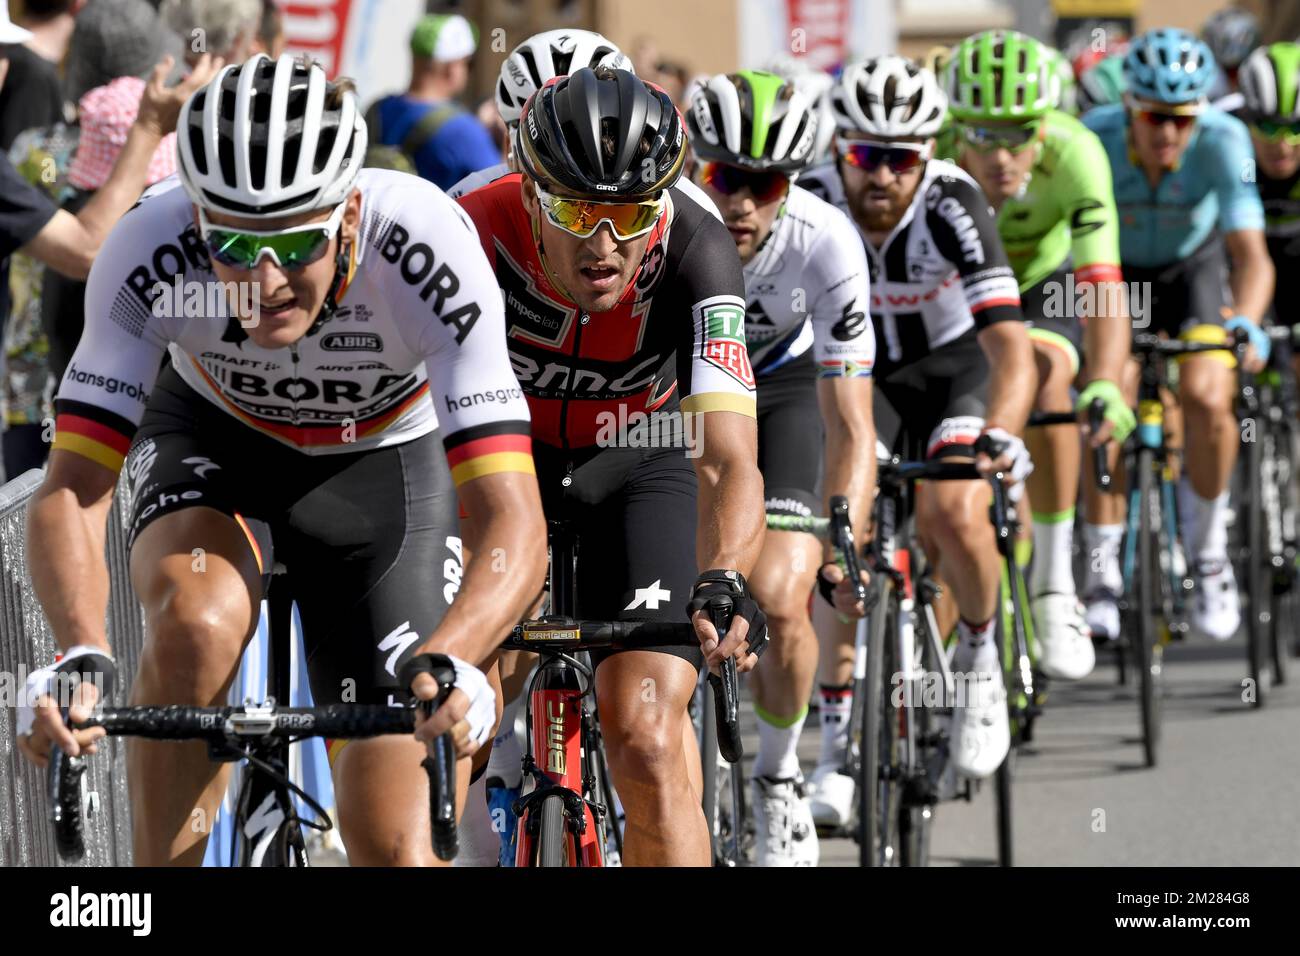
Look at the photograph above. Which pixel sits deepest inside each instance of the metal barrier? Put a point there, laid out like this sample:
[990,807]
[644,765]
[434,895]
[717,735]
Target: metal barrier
[25,644]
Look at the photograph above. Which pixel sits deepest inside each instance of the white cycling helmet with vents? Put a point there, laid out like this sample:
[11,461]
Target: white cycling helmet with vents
[890,97]
[544,56]
[270,138]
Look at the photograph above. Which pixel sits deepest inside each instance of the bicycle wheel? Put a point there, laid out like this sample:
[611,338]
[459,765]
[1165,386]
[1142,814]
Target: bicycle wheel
[877,781]
[1002,779]
[1281,519]
[1257,585]
[553,843]
[1147,648]
[708,739]
[916,810]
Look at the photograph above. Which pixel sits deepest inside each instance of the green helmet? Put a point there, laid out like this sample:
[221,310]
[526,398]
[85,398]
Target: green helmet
[1001,74]
[1069,91]
[1269,81]
[754,119]
[1102,83]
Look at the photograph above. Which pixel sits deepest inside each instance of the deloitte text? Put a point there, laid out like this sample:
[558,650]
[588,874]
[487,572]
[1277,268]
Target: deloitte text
[208,300]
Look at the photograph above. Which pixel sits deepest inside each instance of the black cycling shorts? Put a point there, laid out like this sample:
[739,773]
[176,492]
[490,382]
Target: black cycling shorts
[1184,294]
[633,512]
[790,439]
[370,541]
[934,407]
[1052,317]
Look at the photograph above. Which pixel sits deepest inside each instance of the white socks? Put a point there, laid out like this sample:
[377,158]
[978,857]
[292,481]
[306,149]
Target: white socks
[776,745]
[1205,525]
[836,706]
[976,647]
[1101,544]
[479,843]
[1053,571]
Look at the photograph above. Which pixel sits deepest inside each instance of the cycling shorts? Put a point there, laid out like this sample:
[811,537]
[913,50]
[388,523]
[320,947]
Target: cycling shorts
[790,439]
[370,541]
[1054,319]
[1183,295]
[934,407]
[633,512]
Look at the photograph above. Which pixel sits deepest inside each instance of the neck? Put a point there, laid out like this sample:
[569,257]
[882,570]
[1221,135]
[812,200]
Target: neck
[430,88]
[50,37]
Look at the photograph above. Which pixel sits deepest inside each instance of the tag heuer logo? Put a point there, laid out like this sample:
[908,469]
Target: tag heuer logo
[352,342]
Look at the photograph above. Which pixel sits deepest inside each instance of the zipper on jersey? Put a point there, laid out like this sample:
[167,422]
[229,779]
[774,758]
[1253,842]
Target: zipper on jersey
[293,351]
[583,318]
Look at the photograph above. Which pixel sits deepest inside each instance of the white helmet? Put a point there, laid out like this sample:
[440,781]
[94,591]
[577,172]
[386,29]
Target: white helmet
[270,138]
[544,56]
[755,119]
[816,84]
[888,96]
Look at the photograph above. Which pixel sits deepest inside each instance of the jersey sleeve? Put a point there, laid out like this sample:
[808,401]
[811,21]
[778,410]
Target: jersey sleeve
[1088,202]
[482,412]
[714,373]
[844,342]
[104,391]
[1239,203]
[965,231]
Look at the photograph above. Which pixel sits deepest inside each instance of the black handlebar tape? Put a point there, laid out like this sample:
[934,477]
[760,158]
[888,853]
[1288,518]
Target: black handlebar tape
[1100,470]
[63,782]
[440,766]
[726,689]
[842,538]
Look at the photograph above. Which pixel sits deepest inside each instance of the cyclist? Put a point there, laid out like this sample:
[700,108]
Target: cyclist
[1270,87]
[1181,186]
[1102,84]
[337,326]
[1231,34]
[812,347]
[625,321]
[946,309]
[1047,177]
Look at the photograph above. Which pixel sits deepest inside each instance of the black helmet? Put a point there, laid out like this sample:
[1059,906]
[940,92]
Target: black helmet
[601,134]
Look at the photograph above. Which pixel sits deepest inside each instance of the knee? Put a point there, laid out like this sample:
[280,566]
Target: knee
[787,619]
[644,746]
[955,522]
[194,644]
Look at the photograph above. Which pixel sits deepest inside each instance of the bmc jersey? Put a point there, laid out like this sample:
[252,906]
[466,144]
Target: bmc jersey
[807,287]
[676,336]
[418,340]
[1065,211]
[1212,186]
[940,272]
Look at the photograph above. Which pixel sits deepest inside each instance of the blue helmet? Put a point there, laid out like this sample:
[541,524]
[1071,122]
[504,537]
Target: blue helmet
[1169,66]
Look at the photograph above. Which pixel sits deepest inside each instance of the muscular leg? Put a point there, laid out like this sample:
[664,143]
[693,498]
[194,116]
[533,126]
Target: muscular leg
[198,617]
[952,519]
[642,698]
[1206,394]
[1054,483]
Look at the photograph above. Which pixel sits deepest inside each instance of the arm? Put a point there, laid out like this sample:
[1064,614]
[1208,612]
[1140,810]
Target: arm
[1252,275]
[1013,377]
[850,447]
[731,513]
[68,244]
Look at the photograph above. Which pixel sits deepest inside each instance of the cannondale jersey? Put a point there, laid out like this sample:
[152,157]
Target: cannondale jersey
[939,273]
[418,341]
[807,288]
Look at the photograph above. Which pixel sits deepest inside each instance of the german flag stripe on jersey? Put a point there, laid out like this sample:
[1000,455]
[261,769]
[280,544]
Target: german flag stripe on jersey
[92,432]
[313,436]
[1097,272]
[488,449]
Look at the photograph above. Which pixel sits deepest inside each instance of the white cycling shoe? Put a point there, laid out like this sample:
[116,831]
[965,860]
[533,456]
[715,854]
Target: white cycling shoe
[1064,640]
[980,734]
[783,823]
[831,802]
[1101,614]
[1216,612]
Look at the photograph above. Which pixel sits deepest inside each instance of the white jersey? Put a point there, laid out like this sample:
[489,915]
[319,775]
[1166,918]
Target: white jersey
[418,340]
[940,272]
[484,176]
[807,287]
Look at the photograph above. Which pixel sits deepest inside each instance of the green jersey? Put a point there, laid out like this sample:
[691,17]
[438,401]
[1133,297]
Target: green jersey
[1066,209]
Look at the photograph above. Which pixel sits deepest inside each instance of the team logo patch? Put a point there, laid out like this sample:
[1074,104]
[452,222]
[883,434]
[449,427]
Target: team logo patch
[352,342]
[724,341]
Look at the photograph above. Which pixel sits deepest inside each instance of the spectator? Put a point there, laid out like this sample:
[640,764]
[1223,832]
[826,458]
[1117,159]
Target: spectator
[444,141]
[225,28]
[270,35]
[33,94]
[113,38]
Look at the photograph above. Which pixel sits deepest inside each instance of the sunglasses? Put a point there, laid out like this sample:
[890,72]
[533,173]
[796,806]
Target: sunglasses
[764,185]
[1181,116]
[899,157]
[582,217]
[985,139]
[1275,132]
[290,249]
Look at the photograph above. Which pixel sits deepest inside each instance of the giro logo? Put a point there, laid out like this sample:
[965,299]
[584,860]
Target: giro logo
[352,342]
[609,189]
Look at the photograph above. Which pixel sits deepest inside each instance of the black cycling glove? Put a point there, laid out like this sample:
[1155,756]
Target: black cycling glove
[725,595]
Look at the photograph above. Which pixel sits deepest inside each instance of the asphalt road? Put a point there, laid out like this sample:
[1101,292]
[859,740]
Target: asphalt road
[1226,790]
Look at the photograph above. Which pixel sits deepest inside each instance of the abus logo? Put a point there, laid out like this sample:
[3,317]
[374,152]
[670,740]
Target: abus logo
[352,342]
